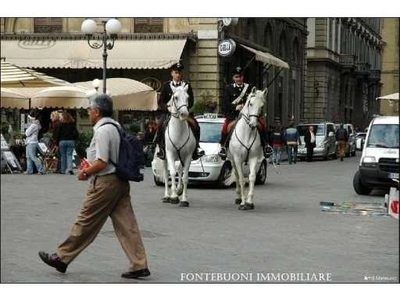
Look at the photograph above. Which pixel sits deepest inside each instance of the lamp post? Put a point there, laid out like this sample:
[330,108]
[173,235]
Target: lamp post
[111,28]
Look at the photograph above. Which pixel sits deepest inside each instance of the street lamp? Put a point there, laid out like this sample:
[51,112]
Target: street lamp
[111,28]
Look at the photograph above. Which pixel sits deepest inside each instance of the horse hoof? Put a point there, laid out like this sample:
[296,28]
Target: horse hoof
[184,204]
[238,201]
[174,200]
[166,200]
[246,206]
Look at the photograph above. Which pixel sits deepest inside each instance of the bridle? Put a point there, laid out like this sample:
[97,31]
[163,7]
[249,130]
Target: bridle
[176,115]
[247,117]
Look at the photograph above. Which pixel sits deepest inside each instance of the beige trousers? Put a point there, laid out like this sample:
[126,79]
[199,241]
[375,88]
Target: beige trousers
[106,196]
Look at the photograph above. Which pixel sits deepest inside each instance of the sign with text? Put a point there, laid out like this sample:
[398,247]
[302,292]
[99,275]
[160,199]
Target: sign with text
[226,48]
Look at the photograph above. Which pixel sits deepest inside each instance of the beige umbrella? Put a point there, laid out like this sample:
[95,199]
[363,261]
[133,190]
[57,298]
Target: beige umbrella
[13,76]
[61,97]
[13,99]
[392,97]
[127,94]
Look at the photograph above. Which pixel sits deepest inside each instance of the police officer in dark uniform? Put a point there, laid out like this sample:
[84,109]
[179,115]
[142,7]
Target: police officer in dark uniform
[165,97]
[235,96]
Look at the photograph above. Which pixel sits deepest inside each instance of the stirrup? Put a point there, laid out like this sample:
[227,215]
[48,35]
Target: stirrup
[198,153]
[267,151]
[161,154]
[222,153]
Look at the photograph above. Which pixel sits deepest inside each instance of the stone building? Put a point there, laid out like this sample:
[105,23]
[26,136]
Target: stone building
[57,47]
[343,69]
[390,65]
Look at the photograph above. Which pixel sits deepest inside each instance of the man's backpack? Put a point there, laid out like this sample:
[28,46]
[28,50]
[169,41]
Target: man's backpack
[130,164]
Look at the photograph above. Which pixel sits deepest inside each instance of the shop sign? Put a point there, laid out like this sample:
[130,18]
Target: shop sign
[152,82]
[36,44]
[226,47]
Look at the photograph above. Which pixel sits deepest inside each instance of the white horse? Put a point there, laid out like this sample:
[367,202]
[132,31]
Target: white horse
[180,144]
[245,146]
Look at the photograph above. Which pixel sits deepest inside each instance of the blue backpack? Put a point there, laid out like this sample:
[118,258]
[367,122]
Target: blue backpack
[130,164]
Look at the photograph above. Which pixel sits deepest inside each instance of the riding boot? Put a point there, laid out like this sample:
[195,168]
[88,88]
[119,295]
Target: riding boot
[196,132]
[223,141]
[160,142]
[264,145]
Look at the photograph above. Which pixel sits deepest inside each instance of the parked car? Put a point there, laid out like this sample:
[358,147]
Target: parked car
[351,143]
[360,140]
[379,163]
[210,168]
[325,140]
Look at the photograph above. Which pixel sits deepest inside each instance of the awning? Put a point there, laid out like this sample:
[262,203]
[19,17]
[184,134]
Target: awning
[13,99]
[267,58]
[76,54]
[394,96]
[61,96]
[14,76]
[127,94]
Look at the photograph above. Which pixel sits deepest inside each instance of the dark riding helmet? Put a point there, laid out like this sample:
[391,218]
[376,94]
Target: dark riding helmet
[237,71]
[177,67]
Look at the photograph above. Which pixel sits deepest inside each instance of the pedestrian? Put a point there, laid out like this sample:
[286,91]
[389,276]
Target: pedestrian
[107,195]
[310,141]
[55,118]
[235,96]
[276,141]
[67,136]
[292,140]
[342,137]
[165,97]
[31,142]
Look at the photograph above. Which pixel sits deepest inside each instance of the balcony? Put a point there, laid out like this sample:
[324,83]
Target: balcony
[347,60]
[363,68]
[375,75]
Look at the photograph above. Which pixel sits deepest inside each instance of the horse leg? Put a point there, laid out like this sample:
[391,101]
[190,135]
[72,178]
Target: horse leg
[252,178]
[166,198]
[174,199]
[241,182]
[184,202]
[238,198]
[179,188]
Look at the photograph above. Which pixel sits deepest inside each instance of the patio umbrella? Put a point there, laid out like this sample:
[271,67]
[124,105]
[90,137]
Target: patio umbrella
[394,96]
[13,99]
[127,94]
[61,97]
[15,76]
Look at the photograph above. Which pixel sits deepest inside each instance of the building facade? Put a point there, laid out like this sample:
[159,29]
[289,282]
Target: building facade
[343,70]
[55,46]
[390,65]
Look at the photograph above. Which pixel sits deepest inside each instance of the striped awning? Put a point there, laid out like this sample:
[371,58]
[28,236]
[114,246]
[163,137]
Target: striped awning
[15,76]
[76,54]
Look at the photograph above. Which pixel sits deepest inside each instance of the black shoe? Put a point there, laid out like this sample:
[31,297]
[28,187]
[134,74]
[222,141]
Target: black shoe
[54,261]
[71,172]
[341,159]
[160,154]
[222,153]
[197,154]
[136,274]
[267,151]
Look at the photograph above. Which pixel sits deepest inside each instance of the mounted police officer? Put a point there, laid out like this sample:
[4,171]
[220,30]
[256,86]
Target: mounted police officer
[165,97]
[235,97]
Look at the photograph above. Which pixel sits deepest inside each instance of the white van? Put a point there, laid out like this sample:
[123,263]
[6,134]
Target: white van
[379,162]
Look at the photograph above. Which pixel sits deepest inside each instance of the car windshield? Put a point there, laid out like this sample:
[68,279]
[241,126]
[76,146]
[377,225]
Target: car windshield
[210,132]
[384,136]
[318,128]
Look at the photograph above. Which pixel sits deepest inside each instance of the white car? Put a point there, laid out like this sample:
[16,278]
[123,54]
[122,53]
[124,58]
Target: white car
[209,168]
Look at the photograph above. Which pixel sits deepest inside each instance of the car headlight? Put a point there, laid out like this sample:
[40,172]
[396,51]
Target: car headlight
[214,158]
[369,160]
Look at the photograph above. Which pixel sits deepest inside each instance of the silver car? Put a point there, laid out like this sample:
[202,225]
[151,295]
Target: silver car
[210,168]
[325,140]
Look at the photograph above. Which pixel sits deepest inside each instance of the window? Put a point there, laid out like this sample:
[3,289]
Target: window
[268,37]
[144,25]
[47,25]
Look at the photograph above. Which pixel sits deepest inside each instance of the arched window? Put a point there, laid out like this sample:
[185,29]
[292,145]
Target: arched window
[268,37]
[47,25]
[296,52]
[145,25]
[282,45]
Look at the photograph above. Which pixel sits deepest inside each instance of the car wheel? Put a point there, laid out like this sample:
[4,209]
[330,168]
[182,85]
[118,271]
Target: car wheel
[262,173]
[226,172]
[359,187]
[158,182]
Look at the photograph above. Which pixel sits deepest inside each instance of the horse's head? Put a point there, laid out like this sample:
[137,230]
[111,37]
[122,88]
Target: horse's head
[179,101]
[254,104]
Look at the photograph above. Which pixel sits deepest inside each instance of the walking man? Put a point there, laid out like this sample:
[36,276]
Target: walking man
[342,137]
[292,140]
[107,195]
